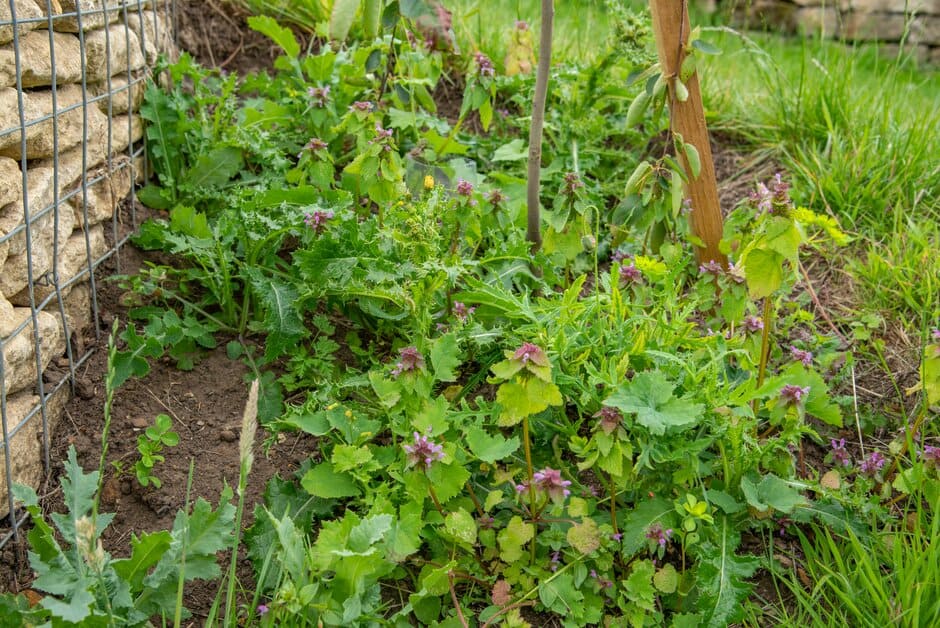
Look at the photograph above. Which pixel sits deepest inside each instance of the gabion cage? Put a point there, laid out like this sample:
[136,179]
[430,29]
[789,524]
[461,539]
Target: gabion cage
[72,76]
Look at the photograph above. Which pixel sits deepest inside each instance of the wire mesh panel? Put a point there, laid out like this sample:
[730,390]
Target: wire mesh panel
[72,75]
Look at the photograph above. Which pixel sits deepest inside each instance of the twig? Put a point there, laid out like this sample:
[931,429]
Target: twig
[819,307]
[231,57]
[506,609]
[858,424]
[167,408]
[453,596]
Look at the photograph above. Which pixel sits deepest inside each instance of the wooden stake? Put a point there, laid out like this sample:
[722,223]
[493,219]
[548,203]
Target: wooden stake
[670,19]
[533,189]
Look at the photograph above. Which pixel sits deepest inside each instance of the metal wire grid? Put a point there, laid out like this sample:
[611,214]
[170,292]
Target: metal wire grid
[129,10]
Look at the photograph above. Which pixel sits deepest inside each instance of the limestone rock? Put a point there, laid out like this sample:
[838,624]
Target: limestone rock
[15,274]
[25,447]
[813,20]
[102,197]
[72,262]
[92,15]
[78,310]
[39,137]
[25,10]
[155,34]
[8,320]
[11,181]
[19,358]
[111,51]
[121,96]
[36,60]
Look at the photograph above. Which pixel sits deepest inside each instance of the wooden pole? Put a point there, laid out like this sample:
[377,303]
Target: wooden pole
[533,189]
[687,118]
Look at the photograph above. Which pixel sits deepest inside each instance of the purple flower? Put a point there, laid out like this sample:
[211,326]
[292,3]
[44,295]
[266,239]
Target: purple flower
[383,137]
[603,582]
[840,454]
[362,106]
[317,220]
[686,208]
[548,481]
[529,352]
[522,25]
[873,463]
[630,274]
[462,312]
[610,418]
[780,190]
[792,394]
[658,535]
[935,334]
[495,198]
[484,65]
[423,452]
[319,95]
[618,256]
[931,455]
[464,188]
[617,536]
[314,145]
[762,199]
[806,357]
[753,324]
[573,183]
[711,267]
[410,359]
[262,610]
[556,560]
[736,273]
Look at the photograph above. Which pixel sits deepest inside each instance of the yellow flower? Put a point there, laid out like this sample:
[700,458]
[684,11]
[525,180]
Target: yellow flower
[428,182]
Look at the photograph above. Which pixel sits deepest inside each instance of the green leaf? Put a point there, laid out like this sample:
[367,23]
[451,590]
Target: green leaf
[75,610]
[490,449]
[445,358]
[448,480]
[461,525]
[692,157]
[214,168]
[324,481]
[514,150]
[666,580]
[78,490]
[639,584]
[145,553]
[706,48]
[282,320]
[349,457]
[342,17]
[513,537]
[637,522]
[771,492]
[585,537]
[280,35]
[561,596]
[720,577]
[649,396]
[637,109]
[525,397]
[763,271]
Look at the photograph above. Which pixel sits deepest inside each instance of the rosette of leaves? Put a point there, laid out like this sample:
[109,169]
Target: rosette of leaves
[527,387]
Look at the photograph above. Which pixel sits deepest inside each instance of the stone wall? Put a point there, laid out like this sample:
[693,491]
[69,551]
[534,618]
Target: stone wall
[916,22]
[82,66]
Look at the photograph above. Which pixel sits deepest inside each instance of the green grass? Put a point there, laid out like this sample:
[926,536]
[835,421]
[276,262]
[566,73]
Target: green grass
[486,25]
[856,129]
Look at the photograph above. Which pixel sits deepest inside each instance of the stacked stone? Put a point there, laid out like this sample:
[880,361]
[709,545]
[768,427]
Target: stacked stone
[915,22]
[78,164]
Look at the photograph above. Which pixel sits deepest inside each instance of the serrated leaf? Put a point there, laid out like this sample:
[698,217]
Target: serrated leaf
[525,397]
[445,358]
[214,168]
[75,610]
[639,584]
[649,396]
[561,596]
[488,448]
[78,490]
[513,538]
[282,320]
[145,553]
[324,481]
[585,537]
[461,525]
[763,271]
[448,480]
[666,580]
[637,522]
[349,457]
[720,577]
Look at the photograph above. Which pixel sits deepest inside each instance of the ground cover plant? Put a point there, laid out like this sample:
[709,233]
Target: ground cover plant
[605,430]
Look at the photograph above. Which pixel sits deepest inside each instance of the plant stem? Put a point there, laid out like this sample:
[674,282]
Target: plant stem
[613,503]
[453,596]
[530,473]
[105,432]
[764,345]
[533,201]
[476,500]
[437,502]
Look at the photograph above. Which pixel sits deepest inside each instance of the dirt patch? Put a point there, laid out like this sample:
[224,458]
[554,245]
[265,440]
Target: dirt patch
[216,34]
[205,405]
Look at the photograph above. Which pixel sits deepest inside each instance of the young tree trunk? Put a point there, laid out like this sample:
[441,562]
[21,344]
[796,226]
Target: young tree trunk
[687,118]
[534,232]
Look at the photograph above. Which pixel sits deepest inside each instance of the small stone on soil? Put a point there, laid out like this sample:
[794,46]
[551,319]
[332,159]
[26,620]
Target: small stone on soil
[140,423]
[84,389]
[228,436]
